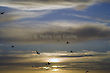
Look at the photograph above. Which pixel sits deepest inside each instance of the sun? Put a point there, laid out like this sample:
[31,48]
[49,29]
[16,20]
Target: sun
[54,60]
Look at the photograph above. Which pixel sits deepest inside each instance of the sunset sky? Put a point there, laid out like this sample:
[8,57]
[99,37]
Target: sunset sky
[46,25]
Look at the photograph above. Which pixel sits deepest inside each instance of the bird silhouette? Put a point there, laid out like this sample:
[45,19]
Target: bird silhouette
[37,52]
[12,46]
[71,51]
[2,12]
[48,63]
[32,66]
[86,71]
[67,42]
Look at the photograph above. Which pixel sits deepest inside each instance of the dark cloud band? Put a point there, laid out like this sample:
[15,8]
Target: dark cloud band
[34,35]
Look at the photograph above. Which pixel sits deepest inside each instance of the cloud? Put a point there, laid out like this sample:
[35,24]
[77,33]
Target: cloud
[49,4]
[29,57]
[54,31]
[14,15]
[78,56]
[93,60]
[90,17]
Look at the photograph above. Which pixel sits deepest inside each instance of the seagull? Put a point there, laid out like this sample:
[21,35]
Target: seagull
[33,66]
[12,46]
[87,71]
[71,51]
[2,12]
[37,52]
[67,42]
[48,63]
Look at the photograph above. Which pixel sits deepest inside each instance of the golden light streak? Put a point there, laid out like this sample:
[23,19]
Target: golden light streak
[54,60]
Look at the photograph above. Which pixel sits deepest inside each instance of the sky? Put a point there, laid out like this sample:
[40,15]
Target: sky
[47,25]
[50,20]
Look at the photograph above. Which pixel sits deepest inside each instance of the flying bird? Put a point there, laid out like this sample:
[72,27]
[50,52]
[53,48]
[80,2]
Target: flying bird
[48,63]
[2,12]
[12,46]
[86,71]
[37,52]
[67,42]
[71,51]
[33,66]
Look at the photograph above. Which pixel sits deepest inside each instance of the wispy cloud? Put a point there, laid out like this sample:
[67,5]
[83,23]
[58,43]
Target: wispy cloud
[90,17]
[30,57]
[49,4]
[21,14]
[76,60]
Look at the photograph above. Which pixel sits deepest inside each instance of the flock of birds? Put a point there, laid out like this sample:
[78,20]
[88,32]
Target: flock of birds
[67,42]
[38,53]
[48,63]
